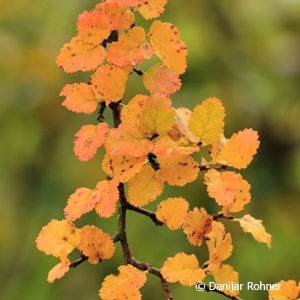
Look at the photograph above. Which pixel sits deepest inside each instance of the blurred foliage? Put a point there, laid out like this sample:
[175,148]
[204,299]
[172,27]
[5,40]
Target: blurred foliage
[244,52]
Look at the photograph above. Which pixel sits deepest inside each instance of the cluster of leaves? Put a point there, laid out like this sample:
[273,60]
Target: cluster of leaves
[150,145]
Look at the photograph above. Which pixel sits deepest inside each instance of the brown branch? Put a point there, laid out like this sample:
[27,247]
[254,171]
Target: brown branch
[145,212]
[139,72]
[204,168]
[222,216]
[77,262]
[100,117]
[153,162]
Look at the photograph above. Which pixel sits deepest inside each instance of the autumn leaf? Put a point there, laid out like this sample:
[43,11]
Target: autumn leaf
[150,9]
[108,194]
[79,55]
[126,285]
[58,271]
[167,46]
[123,167]
[144,187]
[58,238]
[239,149]
[256,228]
[108,83]
[161,79]
[183,268]
[116,18]
[157,116]
[79,98]
[227,277]
[196,224]
[177,170]
[130,49]
[215,236]
[132,112]
[219,252]
[127,3]
[92,28]
[79,203]
[127,140]
[287,291]
[88,139]
[228,189]
[172,212]
[206,121]
[95,244]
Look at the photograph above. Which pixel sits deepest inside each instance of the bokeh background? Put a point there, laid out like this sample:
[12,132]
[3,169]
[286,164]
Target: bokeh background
[247,53]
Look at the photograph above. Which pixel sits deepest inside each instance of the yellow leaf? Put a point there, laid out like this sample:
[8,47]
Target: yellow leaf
[256,228]
[177,170]
[123,167]
[287,290]
[227,278]
[157,115]
[126,285]
[58,238]
[150,9]
[183,268]
[206,122]
[168,47]
[215,236]
[183,115]
[144,187]
[239,149]
[172,212]
[196,224]
[95,244]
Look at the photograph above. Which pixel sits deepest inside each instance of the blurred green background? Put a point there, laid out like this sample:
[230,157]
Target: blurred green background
[247,53]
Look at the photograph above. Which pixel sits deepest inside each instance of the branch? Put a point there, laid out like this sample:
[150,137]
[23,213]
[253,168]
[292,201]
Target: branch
[204,168]
[222,216]
[139,72]
[100,117]
[153,162]
[77,262]
[145,212]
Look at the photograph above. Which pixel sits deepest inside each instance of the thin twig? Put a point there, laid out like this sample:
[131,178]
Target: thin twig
[100,117]
[77,262]
[152,160]
[222,216]
[139,72]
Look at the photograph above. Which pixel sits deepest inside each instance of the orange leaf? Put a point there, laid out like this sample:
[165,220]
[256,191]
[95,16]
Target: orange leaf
[58,238]
[286,290]
[215,236]
[206,122]
[167,46]
[196,225]
[116,18]
[161,79]
[152,8]
[108,83]
[130,49]
[88,139]
[120,3]
[228,189]
[92,28]
[144,187]
[239,149]
[132,112]
[78,54]
[108,193]
[95,244]
[172,212]
[127,140]
[256,228]
[58,271]
[227,277]
[126,285]
[123,167]
[177,170]
[79,203]
[183,268]
[79,98]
